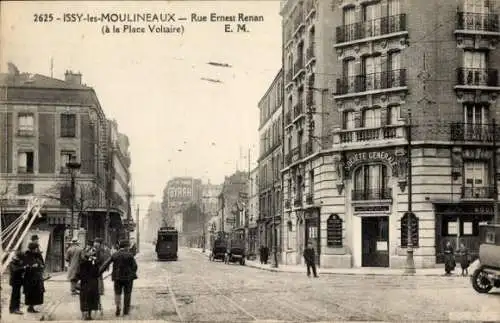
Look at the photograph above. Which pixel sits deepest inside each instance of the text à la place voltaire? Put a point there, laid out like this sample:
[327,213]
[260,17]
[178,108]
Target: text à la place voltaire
[172,17]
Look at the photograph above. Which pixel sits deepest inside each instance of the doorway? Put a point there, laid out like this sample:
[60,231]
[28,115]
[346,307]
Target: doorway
[375,241]
[312,235]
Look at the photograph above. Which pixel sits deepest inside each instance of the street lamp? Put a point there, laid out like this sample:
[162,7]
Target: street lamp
[73,167]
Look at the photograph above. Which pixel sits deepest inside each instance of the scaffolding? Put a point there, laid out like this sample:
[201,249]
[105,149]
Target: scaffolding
[13,235]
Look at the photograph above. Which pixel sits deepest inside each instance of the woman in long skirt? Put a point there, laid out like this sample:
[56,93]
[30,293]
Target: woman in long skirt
[88,274]
[33,277]
[449,258]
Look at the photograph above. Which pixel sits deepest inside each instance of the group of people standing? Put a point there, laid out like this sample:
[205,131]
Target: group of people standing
[85,273]
[27,274]
[450,260]
[86,266]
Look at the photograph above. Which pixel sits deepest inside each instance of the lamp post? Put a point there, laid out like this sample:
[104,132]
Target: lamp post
[73,167]
[410,262]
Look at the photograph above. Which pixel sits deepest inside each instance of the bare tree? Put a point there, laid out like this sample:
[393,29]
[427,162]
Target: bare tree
[87,196]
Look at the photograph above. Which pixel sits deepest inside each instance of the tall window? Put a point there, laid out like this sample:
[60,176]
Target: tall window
[476,119]
[393,113]
[393,8]
[371,182]
[25,162]
[311,182]
[475,72]
[372,68]
[371,118]
[475,178]
[477,11]
[26,124]
[348,120]
[68,125]
[371,15]
[299,141]
[349,72]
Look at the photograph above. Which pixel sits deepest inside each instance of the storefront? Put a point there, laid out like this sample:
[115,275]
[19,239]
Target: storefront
[459,223]
[371,179]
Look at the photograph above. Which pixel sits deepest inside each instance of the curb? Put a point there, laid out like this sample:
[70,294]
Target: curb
[340,273]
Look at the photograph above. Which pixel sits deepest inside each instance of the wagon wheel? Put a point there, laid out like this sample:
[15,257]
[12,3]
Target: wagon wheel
[480,282]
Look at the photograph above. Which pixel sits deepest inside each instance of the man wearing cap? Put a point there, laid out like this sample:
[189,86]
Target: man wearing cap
[123,275]
[73,255]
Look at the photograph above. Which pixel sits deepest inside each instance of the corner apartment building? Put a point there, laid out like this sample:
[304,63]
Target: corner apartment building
[270,163]
[395,64]
[44,122]
[119,181]
[308,30]
[253,212]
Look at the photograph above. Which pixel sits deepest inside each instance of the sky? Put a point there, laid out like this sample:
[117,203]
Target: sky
[178,124]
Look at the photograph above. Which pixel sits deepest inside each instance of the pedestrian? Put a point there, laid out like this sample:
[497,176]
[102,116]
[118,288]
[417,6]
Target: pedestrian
[88,275]
[310,257]
[33,278]
[464,259]
[102,255]
[73,255]
[123,275]
[16,269]
[449,258]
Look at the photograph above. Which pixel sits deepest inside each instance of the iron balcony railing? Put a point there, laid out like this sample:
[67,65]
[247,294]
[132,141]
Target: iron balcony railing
[296,153]
[461,131]
[25,132]
[477,21]
[373,81]
[359,135]
[288,159]
[309,198]
[371,28]
[484,192]
[298,65]
[383,193]
[477,76]
[298,109]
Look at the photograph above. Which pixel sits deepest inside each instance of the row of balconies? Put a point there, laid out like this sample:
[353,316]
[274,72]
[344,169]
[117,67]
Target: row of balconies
[385,193]
[371,28]
[297,153]
[469,21]
[482,77]
[372,81]
[459,131]
[363,134]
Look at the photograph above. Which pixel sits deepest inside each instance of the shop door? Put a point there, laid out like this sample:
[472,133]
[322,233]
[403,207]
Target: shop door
[312,235]
[375,241]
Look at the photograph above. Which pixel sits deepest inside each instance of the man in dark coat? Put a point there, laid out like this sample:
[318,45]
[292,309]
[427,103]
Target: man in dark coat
[309,257]
[16,268]
[73,256]
[88,275]
[123,275]
[33,278]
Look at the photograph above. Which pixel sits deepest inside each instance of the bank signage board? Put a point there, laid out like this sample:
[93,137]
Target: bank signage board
[369,156]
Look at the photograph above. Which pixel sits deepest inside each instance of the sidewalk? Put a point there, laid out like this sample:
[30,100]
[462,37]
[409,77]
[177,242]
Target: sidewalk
[370,271]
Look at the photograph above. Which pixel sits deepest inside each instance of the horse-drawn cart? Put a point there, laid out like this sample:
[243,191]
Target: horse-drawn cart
[487,274]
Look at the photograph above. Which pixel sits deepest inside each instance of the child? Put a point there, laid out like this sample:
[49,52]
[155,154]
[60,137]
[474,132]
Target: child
[464,259]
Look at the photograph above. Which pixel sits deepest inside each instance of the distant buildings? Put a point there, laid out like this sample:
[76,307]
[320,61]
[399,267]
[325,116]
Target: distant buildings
[44,124]
[152,222]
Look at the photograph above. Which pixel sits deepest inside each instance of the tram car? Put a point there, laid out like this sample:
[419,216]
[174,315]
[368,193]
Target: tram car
[167,243]
[236,252]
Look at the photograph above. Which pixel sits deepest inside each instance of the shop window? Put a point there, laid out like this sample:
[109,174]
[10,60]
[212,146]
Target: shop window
[404,230]
[334,231]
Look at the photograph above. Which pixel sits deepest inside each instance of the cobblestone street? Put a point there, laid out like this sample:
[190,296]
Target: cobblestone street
[194,290]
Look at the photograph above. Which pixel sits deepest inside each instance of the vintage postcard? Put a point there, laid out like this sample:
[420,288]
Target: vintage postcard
[237,161]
